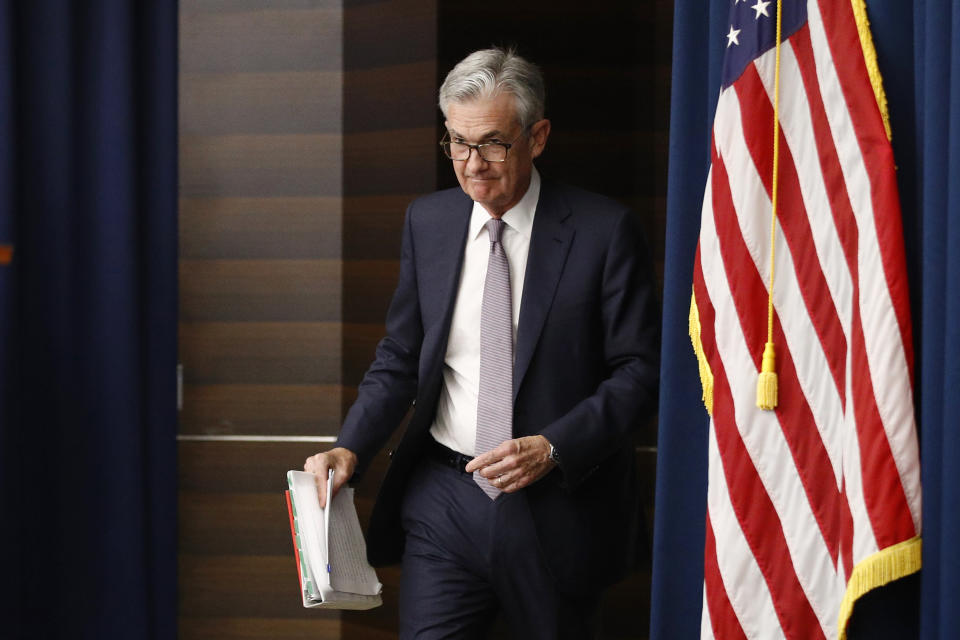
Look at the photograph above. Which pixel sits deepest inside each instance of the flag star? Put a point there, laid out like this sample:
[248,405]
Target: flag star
[761,7]
[733,37]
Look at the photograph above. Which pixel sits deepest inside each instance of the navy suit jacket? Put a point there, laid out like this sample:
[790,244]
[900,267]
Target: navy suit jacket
[585,373]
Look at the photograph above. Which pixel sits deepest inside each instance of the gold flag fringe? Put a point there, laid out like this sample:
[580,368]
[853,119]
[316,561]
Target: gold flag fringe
[706,375]
[883,567]
[870,58]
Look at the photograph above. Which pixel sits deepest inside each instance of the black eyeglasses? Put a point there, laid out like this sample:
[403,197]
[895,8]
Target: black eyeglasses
[488,151]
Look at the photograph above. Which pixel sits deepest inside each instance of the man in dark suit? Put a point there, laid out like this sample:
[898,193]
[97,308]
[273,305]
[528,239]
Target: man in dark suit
[525,332]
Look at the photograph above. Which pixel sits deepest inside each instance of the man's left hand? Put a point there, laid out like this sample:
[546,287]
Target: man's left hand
[514,464]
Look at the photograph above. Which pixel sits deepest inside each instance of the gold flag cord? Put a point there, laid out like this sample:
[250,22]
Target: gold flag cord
[767,380]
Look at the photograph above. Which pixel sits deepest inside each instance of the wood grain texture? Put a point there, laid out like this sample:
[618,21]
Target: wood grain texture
[260,165]
[261,157]
[260,352]
[224,585]
[390,97]
[260,290]
[240,467]
[372,226]
[388,163]
[271,38]
[234,524]
[269,227]
[389,32]
[261,102]
[319,627]
[263,409]
[359,348]
[377,279]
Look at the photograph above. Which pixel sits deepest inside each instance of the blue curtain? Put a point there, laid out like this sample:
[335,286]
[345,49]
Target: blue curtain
[937,261]
[88,312]
[681,492]
[918,46]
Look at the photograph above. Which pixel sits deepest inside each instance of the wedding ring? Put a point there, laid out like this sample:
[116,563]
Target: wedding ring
[500,480]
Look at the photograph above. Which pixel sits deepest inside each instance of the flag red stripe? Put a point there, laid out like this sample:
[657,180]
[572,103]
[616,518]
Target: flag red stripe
[723,618]
[705,310]
[844,41]
[846,535]
[757,119]
[882,489]
[796,420]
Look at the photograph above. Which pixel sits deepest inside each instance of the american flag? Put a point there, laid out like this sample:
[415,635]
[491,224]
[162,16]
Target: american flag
[813,504]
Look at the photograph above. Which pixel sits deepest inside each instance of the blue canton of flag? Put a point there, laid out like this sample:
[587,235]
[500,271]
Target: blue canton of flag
[753,31]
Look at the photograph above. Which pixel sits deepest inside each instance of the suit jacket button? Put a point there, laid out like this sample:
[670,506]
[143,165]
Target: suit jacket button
[390,453]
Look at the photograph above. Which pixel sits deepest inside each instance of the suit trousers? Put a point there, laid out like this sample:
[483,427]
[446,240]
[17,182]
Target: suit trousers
[468,558]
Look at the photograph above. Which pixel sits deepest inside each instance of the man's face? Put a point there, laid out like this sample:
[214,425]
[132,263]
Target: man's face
[495,185]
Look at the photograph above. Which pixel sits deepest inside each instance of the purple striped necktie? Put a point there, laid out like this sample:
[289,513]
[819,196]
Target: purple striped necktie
[495,400]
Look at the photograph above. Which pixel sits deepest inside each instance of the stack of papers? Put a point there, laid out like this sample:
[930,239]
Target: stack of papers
[329,547]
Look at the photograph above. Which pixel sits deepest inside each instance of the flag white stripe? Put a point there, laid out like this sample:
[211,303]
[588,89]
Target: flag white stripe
[887,361]
[767,447]
[750,196]
[706,626]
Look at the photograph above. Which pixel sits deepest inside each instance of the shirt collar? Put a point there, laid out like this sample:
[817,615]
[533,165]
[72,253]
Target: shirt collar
[519,217]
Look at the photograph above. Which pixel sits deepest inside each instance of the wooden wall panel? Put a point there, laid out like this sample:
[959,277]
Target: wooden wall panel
[270,227]
[388,97]
[236,628]
[375,224]
[390,156]
[259,290]
[214,37]
[236,562]
[261,157]
[260,165]
[256,352]
[219,103]
[264,409]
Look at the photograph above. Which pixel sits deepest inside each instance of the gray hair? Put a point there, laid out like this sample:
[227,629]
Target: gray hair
[490,72]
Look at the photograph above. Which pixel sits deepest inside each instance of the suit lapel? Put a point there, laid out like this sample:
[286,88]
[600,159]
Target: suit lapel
[443,261]
[549,244]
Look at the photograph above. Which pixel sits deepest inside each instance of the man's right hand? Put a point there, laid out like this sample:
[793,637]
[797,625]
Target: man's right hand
[342,461]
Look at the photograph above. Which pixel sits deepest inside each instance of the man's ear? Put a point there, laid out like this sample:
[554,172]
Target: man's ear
[539,133]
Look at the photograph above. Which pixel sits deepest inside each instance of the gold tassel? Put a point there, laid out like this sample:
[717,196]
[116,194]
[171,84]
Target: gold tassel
[767,380]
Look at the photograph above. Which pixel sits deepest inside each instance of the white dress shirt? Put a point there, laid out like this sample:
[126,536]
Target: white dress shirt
[455,425]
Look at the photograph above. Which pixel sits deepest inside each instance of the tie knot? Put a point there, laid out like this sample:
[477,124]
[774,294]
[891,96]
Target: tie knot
[495,229]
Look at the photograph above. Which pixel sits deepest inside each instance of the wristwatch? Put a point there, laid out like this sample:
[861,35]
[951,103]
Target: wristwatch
[554,455]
